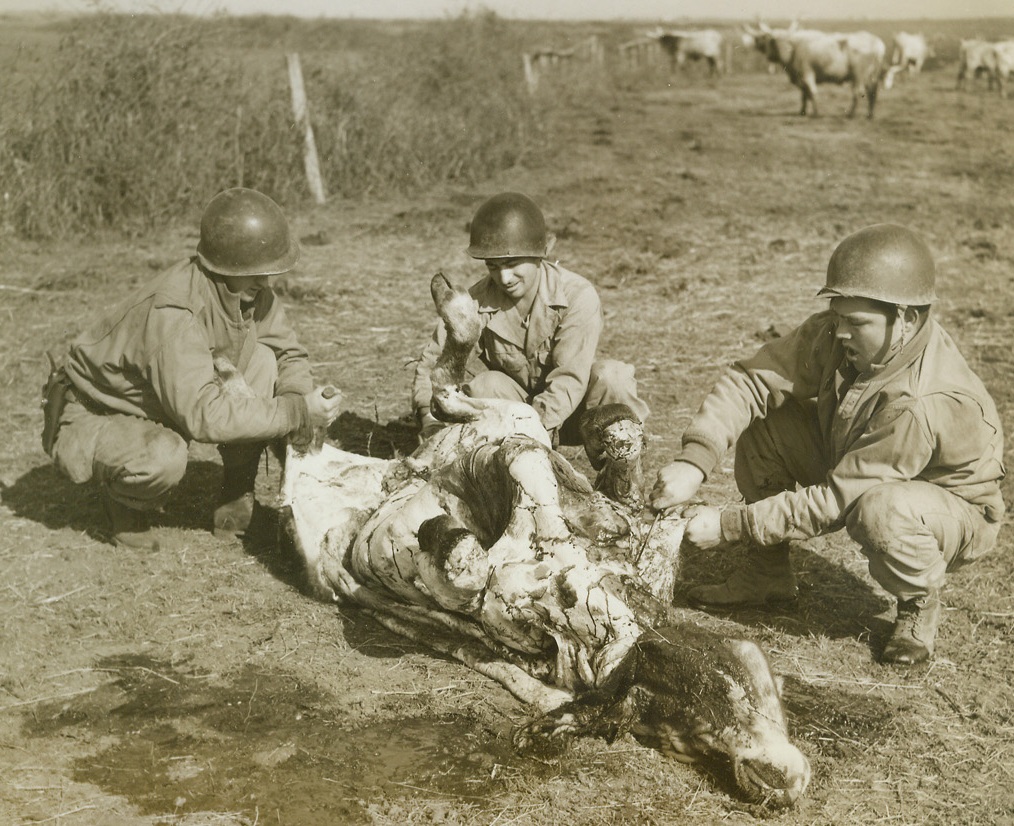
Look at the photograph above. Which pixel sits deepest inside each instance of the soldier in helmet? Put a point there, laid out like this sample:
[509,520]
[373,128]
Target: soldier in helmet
[865,417]
[541,327]
[203,352]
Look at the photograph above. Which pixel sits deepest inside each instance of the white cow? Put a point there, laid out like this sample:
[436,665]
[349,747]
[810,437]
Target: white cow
[812,57]
[487,545]
[999,62]
[694,45]
[908,54]
[973,61]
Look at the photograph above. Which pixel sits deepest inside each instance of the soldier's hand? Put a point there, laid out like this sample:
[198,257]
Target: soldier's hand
[323,404]
[677,483]
[704,530]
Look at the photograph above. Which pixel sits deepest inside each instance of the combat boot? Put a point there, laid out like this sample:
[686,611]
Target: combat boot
[766,577]
[235,502]
[915,630]
[129,527]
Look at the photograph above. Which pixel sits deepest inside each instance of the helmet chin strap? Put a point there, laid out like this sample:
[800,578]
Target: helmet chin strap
[900,310]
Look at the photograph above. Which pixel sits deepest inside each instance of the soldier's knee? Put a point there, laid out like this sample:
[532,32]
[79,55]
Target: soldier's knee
[876,516]
[167,452]
[492,384]
[612,371]
[614,382]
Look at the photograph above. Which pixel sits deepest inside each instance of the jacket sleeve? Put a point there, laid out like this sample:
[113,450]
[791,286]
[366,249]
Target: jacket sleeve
[573,353]
[182,376]
[896,446]
[274,330]
[790,366]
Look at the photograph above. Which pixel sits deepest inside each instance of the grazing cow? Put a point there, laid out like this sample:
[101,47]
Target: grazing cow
[811,57]
[973,61]
[681,46]
[486,545]
[908,54]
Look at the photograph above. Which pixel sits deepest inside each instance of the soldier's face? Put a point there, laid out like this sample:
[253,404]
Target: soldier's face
[866,329]
[246,286]
[516,278]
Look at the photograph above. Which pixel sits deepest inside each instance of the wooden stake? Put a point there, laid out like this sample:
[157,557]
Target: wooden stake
[300,114]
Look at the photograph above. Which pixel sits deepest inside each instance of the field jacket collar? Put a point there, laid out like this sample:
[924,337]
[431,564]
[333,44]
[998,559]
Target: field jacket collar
[543,320]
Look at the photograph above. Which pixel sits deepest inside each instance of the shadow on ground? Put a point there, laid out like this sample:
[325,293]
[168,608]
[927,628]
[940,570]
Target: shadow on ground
[832,602]
[357,434]
[45,496]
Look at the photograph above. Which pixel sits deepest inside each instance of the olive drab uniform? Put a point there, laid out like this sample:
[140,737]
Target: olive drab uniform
[547,360]
[144,383]
[908,458]
[203,352]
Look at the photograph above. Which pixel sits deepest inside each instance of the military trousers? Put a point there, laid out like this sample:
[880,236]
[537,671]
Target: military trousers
[137,461]
[912,532]
[610,382]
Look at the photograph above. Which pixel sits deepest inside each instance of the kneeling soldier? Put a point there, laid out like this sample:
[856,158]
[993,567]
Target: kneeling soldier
[865,417]
[204,353]
[541,325]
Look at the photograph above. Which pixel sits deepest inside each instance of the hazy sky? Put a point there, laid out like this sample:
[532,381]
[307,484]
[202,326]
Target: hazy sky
[556,9]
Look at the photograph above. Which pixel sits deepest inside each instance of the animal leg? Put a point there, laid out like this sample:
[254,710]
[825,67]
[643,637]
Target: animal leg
[613,439]
[460,314]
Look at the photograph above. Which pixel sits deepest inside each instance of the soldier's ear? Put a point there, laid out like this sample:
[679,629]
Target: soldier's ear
[550,243]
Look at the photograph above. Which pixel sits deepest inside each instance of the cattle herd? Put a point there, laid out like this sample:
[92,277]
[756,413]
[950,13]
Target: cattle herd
[811,57]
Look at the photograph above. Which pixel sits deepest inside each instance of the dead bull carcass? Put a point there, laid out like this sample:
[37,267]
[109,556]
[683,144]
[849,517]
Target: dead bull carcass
[486,545]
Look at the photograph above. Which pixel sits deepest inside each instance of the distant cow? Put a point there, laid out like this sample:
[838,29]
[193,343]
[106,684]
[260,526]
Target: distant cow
[811,57]
[972,61]
[908,54]
[999,60]
[681,46]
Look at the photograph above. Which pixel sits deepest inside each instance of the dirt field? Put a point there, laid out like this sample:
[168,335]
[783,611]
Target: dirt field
[201,685]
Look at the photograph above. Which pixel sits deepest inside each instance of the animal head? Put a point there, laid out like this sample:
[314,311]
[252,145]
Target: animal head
[696,696]
[703,696]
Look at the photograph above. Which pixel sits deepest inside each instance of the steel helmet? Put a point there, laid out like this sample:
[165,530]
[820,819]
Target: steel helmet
[244,232]
[508,225]
[885,262]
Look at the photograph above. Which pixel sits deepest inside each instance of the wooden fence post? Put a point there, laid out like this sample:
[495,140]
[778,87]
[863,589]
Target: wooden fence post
[531,75]
[300,114]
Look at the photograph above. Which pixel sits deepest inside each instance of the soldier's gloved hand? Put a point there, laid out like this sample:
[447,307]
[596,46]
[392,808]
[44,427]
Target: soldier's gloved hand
[704,530]
[323,404]
[677,483]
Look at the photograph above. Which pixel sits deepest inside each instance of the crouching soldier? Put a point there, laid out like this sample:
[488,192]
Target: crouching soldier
[203,352]
[540,330]
[865,417]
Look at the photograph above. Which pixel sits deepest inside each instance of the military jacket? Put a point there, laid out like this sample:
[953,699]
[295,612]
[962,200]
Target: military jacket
[152,356]
[923,415]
